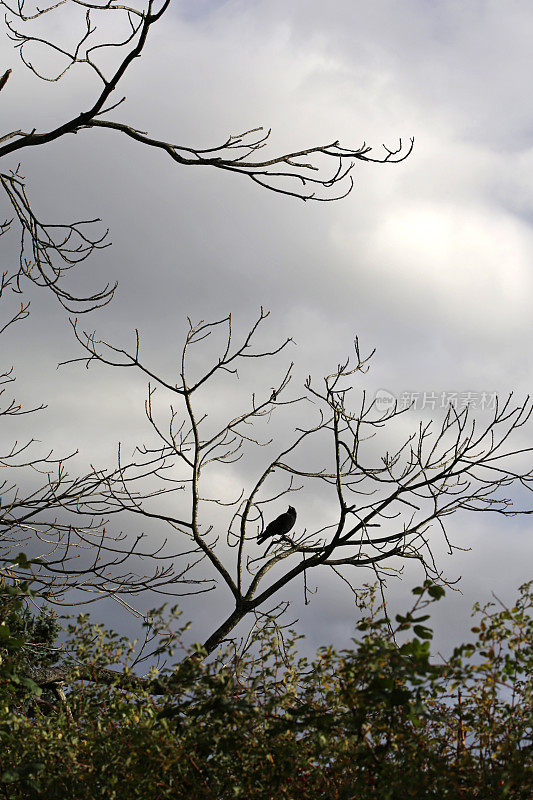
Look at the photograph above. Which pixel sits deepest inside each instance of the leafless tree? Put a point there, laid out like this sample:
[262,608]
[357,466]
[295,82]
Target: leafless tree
[107,37]
[389,508]
[386,508]
[36,495]
[35,488]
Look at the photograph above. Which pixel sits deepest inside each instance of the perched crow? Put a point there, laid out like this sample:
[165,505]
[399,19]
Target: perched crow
[279,526]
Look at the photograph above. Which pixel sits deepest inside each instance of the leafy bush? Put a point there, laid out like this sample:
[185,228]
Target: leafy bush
[379,720]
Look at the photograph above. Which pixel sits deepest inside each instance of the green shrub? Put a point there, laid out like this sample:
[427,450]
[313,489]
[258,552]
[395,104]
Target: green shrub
[381,719]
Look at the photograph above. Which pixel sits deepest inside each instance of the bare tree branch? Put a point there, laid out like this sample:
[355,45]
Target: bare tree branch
[302,173]
[387,507]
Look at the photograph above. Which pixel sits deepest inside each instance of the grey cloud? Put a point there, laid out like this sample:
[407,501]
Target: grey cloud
[429,260]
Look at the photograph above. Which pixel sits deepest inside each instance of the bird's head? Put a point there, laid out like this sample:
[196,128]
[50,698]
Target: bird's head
[291,511]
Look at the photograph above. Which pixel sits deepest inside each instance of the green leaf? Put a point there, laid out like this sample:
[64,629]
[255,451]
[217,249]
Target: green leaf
[423,632]
[10,776]
[22,561]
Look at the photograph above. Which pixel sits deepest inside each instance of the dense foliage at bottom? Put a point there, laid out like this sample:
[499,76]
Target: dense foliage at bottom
[382,719]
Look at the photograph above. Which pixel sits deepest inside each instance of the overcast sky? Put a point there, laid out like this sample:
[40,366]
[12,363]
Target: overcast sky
[429,261]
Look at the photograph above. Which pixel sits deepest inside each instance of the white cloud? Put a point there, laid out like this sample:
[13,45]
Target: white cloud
[466,266]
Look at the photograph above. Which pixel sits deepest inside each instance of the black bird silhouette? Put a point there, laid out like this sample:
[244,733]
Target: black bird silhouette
[279,526]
